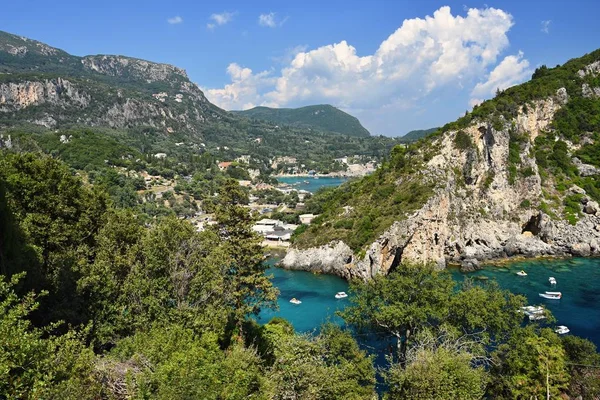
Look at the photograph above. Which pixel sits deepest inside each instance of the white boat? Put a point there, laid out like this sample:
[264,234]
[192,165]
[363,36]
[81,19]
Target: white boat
[522,273]
[295,301]
[552,280]
[534,313]
[551,295]
[561,330]
[341,295]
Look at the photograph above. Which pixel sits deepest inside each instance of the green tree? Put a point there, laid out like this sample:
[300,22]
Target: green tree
[249,289]
[400,304]
[529,365]
[437,374]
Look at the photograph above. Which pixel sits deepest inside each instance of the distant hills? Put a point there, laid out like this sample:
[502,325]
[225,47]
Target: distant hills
[155,108]
[415,135]
[323,117]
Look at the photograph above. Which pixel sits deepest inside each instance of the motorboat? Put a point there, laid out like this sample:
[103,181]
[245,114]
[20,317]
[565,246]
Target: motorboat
[295,301]
[522,273]
[552,280]
[534,313]
[341,295]
[561,330]
[551,295]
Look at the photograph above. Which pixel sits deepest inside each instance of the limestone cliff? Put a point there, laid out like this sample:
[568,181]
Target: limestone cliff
[494,197]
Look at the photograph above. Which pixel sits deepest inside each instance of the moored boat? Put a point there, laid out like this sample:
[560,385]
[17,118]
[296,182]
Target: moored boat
[552,280]
[295,301]
[534,313]
[341,295]
[561,330]
[551,295]
[522,273]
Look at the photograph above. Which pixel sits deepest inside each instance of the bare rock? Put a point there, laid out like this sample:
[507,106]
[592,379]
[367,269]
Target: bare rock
[469,265]
[581,249]
[591,207]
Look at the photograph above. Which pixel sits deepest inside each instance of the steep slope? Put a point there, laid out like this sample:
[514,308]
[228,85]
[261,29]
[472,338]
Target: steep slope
[320,117]
[413,136]
[518,176]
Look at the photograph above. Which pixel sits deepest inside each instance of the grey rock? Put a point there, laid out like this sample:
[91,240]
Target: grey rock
[581,249]
[562,96]
[591,207]
[469,265]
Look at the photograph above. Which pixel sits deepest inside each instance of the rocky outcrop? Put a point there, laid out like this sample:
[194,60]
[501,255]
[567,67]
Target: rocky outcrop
[131,67]
[479,212]
[16,96]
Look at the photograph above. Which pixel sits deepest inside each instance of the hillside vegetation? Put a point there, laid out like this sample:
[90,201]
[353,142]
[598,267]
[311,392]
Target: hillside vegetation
[322,117]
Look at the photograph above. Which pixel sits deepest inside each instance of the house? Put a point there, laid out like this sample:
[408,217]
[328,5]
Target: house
[224,165]
[282,236]
[245,183]
[307,218]
[160,156]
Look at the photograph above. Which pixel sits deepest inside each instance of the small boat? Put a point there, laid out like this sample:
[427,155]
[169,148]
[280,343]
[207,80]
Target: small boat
[341,295]
[534,313]
[522,273]
[552,280]
[551,295]
[561,330]
[295,301]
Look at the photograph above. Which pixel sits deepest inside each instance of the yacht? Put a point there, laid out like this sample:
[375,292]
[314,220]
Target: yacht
[341,295]
[551,295]
[522,273]
[295,301]
[552,280]
[561,330]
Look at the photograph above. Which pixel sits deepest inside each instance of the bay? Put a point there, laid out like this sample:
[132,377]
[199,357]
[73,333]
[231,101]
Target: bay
[312,184]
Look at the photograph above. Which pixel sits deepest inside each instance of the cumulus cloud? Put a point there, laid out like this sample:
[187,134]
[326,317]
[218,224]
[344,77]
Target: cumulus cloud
[422,56]
[546,26]
[270,20]
[512,70]
[219,19]
[175,20]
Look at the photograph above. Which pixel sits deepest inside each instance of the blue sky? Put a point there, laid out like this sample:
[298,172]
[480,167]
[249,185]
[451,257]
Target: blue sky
[396,65]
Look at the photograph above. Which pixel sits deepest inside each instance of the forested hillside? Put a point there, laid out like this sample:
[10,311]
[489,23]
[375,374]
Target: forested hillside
[324,118]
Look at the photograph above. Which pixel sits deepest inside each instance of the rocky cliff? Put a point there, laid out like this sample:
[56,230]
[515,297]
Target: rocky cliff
[46,86]
[507,185]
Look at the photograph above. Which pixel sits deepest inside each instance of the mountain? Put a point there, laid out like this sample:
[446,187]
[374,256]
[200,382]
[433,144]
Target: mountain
[517,176]
[322,117]
[415,135]
[151,107]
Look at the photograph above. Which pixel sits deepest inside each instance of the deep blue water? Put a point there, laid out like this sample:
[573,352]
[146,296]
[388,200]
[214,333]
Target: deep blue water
[313,184]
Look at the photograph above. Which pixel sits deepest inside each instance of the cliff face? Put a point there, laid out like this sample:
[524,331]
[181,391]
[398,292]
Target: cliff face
[490,201]
[120,66]
[46,86]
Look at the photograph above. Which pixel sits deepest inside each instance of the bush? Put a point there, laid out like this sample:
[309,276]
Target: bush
[462,141]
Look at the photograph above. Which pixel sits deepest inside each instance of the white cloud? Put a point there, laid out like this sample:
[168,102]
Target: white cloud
[512,70]
[423,56]
[546,26]
[175,20]
[219,19]
[270,20]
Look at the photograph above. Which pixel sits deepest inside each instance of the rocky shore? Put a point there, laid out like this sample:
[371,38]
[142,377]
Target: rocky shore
[478,212]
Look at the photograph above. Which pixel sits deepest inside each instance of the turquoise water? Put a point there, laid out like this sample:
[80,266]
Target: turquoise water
[578,279]
[316,293]
[313,184]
